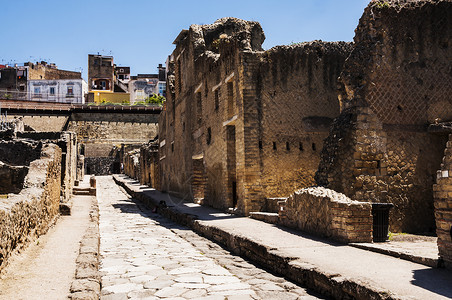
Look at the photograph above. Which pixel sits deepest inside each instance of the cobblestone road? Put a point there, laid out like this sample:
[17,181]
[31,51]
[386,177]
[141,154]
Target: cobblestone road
[145,256]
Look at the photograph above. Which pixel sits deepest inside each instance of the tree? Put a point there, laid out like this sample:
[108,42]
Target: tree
[155,100]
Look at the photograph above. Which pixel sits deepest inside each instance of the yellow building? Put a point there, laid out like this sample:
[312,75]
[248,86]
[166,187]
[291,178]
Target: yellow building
[106,96]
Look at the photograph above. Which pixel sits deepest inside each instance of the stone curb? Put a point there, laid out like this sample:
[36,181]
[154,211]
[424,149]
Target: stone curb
[86,284]
[429,262]
[310,276]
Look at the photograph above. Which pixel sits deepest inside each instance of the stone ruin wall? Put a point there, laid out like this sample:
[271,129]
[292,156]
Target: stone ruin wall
[103,134]
[70,170]
[50,123]
[267,86]
[149,165]
[298,101]
[329,214]
[29,213]
[132,164]
[394,83]
[199,74]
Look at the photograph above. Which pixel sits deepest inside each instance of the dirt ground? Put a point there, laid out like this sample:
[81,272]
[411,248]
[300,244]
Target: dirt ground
[46,268]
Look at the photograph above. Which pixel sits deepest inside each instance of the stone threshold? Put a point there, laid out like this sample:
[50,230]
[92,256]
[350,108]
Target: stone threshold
[330,285]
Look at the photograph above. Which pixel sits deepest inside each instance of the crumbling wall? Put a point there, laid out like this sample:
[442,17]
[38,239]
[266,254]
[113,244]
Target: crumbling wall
[203,75]
[67,141]
[297,94]
[395,82]
[149,165]
[326,213]
[30,212]
[132,164]
[229,102]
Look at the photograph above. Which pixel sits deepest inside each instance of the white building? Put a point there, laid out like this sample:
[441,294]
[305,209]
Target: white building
[143,86]
[60,90]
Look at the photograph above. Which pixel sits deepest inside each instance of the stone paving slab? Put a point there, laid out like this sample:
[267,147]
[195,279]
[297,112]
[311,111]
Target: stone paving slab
[333,269]
[146,256]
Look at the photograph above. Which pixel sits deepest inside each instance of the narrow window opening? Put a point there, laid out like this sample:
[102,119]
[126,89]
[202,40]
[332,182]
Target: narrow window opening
[199,106]
[209,136]
[274,145]
[314,147]
[300,146]
[217,100]
[230,88]
[260,145]
[287,146]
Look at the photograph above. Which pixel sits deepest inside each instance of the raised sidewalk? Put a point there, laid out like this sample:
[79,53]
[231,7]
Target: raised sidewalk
[334,270]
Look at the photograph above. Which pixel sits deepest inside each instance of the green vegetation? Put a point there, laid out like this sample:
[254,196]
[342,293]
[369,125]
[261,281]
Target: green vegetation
[154,100]
[381,4]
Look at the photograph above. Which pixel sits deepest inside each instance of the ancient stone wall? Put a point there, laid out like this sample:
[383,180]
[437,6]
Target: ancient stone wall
[326,213]
[67,141]
[298,100]
[149,165]
[229,106]
[393,85]
[442,192]
[49,123]
[101,165]
[28,214]
[132,164]
[103,133]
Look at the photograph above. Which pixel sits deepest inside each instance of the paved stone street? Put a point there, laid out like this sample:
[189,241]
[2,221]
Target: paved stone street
[145,256]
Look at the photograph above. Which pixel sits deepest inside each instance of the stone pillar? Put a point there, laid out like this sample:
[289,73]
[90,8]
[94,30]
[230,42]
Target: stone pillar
[442,193]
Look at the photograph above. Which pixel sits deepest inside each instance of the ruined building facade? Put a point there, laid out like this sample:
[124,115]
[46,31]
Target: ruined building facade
[243,125]
[395,83]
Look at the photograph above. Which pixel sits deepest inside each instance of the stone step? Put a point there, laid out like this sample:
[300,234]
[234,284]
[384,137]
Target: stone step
[268,217]
[84,191]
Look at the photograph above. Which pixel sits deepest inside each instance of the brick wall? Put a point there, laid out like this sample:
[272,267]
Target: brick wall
[28,214]
[298,100]
[228,102]
[326,213]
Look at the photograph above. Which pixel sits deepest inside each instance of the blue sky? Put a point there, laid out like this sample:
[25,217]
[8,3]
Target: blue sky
[139,33]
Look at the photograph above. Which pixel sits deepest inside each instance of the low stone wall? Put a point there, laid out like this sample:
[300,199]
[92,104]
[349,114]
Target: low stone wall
[327,213]
[67,141]
[30,212]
